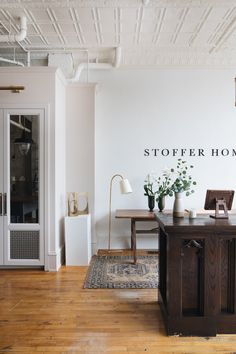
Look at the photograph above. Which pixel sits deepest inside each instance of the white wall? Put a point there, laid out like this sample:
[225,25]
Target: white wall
[138,109]
[80,128]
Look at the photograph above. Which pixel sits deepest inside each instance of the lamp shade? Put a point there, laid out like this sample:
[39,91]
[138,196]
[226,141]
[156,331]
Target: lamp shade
[125,186]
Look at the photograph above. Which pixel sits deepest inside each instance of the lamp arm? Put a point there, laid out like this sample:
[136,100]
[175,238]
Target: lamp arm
[110,194]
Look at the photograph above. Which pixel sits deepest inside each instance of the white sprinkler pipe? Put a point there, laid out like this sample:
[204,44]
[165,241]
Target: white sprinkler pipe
[16,37]
[98,66]
[11,61]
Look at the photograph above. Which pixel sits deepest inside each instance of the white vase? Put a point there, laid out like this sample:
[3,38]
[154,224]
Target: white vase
[178,209]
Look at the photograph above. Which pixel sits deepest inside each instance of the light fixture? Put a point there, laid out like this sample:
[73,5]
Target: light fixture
[14,89]
[24,142]
[125,188]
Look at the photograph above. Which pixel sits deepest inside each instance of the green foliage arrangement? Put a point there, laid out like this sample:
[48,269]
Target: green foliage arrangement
[158,186]
[150,185]
[183,181]
[164,185]
[171,181]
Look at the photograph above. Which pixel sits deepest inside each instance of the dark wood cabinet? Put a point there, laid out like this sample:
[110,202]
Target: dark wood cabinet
[197,287]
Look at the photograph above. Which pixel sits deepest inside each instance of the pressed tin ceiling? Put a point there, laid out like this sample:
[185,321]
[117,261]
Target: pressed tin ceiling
[150,33]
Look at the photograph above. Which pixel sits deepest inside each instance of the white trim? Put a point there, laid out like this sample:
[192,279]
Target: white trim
[31,69]
[36,106]
[61,76]
[47,185]
[45,108]
[35,70]
[213,65]
[55,259]
[40,114]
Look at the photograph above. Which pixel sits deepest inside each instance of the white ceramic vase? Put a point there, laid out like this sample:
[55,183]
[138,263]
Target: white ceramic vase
[178,209]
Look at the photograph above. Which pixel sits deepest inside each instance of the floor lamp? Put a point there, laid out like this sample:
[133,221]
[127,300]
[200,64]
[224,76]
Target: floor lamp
[125,188]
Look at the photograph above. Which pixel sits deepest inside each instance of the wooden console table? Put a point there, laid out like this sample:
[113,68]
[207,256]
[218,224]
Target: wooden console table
[197,288]
[136,215]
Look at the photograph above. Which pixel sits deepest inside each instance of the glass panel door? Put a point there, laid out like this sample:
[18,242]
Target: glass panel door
[23,184]
[24,169]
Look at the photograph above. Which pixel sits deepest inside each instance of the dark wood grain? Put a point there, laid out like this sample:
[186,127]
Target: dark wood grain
[141,214]
[137,215]
[191,279]
[197,275]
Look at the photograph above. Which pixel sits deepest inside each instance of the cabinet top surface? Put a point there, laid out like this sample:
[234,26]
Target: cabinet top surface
[167,220]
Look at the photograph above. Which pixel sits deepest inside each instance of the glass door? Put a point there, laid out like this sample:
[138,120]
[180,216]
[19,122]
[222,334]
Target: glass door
[23,187]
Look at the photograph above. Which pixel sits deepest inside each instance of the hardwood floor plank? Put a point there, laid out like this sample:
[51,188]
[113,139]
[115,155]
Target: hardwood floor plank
[47,313]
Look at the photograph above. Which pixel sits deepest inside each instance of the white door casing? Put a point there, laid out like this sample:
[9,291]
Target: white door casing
[23,230]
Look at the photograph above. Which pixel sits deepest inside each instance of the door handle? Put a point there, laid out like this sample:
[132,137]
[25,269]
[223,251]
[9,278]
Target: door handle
[5,204]
[1,204]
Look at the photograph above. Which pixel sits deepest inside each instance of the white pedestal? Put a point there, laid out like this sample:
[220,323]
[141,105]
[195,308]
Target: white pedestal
[78,240]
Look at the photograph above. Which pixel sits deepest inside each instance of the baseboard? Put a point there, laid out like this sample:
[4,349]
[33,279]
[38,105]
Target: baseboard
[56,259]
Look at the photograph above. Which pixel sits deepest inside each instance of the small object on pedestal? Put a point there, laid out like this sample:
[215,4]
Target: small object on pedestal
[77,203]
[151,202]
[178,209]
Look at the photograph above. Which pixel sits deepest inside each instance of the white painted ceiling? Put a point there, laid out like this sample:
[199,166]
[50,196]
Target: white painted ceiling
[150,33]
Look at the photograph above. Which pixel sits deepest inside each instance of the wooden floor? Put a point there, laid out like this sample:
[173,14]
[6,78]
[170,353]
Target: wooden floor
[44,312]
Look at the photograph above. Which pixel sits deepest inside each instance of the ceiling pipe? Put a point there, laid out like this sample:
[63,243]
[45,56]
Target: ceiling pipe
[19,36]
[20,125]
[11,61]
[98,66]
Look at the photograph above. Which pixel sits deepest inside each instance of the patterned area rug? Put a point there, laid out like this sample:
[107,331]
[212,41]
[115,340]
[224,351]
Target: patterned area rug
[118,272]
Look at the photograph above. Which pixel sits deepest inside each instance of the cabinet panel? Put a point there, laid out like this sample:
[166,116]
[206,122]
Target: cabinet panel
[227,275]
[198,290]
[192,277]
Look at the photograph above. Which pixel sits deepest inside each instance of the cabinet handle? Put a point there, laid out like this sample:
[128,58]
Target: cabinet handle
[5,204]
[0,204]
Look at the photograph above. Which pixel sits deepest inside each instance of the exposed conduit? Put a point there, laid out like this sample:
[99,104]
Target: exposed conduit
[11,61]
[16,37]
[98,66]
[20,125]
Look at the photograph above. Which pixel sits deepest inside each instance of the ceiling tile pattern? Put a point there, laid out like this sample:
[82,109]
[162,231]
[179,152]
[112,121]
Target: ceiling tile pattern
[163,32]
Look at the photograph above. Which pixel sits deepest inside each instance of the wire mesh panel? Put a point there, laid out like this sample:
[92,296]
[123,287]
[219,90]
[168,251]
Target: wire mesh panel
[24,245]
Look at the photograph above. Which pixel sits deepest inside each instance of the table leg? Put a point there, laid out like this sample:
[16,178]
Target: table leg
[133,239]
[132,243]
